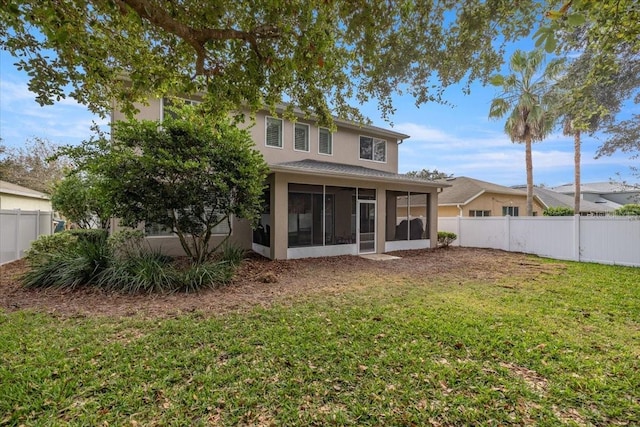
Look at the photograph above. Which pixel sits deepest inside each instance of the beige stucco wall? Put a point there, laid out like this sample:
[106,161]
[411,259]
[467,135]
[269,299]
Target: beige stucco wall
[346,142]
[170,245]
[492,202]
[13,201]
[346,146]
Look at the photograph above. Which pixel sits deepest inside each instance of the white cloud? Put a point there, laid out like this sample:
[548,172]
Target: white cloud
[21,118]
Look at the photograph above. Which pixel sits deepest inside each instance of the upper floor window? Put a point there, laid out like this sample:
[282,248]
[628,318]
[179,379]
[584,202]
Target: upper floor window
[510,210]
[167,103]
[273,132]
[373,149]
[301,137]
[325,141]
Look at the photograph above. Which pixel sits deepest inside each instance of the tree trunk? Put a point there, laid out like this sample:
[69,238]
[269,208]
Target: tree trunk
[576,160]
[529,163]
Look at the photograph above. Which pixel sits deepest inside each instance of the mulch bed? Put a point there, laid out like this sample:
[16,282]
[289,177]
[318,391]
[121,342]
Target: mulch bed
[262,282]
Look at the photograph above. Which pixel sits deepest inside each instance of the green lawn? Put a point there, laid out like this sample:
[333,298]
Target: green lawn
[549,349]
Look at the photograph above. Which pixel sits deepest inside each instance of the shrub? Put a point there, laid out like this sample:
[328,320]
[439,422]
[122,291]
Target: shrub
[445,238]
[96,235]
[558,211]
[126,243]
[206,275]
[119,263]
[232,254]
[47,245]
[143,272]
[628,210]
[76,265]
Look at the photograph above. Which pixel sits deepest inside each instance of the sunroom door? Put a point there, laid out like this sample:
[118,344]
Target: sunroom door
[366,227]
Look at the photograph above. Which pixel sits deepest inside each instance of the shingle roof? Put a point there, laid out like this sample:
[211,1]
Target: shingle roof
[464,189]
[597,188]
[19,190]
[554,199]
[330,168]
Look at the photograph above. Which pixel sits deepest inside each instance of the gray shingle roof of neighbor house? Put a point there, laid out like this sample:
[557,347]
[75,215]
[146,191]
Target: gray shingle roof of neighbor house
[554,199]
[464,189]
[597,188]
[316,167]
[19,190]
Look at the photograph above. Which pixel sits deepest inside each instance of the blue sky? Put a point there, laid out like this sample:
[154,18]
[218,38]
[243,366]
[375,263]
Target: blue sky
[459,140]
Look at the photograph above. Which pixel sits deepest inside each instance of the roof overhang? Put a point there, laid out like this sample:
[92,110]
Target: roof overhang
[390,179]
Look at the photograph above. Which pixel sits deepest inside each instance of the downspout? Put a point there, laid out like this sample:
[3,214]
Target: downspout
[460,209]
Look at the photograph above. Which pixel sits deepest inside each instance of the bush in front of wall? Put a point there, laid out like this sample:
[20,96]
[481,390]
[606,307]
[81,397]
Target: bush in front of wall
[445,238]
[120,263]
[558,211]
[47,245]
[628,210]
[145,271]
[74,264]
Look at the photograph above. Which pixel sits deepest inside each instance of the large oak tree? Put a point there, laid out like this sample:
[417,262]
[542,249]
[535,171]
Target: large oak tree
[321,55]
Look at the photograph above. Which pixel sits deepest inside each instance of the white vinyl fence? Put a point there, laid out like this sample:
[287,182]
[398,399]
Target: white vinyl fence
[605,240]
[18,229]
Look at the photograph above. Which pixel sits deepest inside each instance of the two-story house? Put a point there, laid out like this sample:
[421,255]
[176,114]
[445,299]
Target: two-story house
[327,193]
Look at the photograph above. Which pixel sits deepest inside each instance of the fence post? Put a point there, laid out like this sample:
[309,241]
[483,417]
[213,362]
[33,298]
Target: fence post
[37,223]
[17,235]
[458,225]
[576,237]
[507,233]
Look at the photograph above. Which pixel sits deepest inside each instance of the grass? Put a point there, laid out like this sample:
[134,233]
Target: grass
[547,350]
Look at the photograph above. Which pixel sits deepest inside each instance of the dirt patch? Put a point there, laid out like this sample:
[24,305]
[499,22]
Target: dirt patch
[262,282]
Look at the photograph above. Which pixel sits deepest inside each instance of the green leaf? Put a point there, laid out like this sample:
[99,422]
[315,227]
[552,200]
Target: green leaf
[497,80]
[576,19]
[550,44]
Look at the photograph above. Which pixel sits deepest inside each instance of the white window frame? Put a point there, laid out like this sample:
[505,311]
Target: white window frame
[510,211]
[482,213]
[191,102]
[374,142]
[308,130]
[330,153]
[266,126]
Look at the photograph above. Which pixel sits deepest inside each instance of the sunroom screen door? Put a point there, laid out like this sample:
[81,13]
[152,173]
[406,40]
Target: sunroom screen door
[366,227]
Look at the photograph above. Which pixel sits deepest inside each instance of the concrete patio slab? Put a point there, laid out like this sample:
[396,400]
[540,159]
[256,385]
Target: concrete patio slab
[379,257]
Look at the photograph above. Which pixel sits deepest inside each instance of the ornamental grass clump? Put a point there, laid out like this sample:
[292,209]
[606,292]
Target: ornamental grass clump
[120,263]
[79,259]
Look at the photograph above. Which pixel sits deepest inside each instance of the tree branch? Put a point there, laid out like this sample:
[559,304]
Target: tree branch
[197,38]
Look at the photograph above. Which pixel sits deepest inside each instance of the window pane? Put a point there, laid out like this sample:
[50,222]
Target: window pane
[153,229]
[305,215]
[274,132]
[397,225]
[324,143]
[380,152]
[340,223]
[366,148]
[418,226]
[366,194]
[301,140]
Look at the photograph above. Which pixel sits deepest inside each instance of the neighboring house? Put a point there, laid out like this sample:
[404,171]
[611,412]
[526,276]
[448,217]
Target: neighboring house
[13,196]
[328,193]
[553,199]
[468,197]
[610,194]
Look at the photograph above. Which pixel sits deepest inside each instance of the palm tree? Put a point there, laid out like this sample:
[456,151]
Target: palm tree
[586,104]
[524,93]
